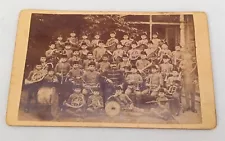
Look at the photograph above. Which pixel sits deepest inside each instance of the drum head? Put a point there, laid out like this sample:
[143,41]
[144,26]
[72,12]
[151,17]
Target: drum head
[112,108]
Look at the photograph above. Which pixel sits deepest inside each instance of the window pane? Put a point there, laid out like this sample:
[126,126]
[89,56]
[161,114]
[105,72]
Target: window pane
[137,18]
[166,18]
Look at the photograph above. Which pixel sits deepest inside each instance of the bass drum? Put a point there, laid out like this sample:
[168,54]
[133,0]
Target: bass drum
[112,108]
[47,96]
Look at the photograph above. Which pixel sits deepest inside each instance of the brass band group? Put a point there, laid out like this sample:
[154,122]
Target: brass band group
[87,72]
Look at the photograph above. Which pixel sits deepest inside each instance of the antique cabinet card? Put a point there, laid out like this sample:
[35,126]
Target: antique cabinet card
[112,69]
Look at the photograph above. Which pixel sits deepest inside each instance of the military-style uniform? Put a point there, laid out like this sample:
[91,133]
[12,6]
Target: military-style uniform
[86,41]
[166,69]
[49,78]
[154,81]
[49,53]
[86,62]
[111,43]
[126,43]
[117,77]
[75,59]
[91,80]
[73,41]
[118,54]
[176,57]
[134,81]
[163,52]
[95,102]
[141,64]
[94,43]
[68,52]
[103,66]
[134,54]
[83,53]
[155,42]
[98,53]
[59,44]
[123,64]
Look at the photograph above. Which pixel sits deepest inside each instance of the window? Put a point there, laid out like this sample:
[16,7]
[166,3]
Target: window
[137,18]
[166,18]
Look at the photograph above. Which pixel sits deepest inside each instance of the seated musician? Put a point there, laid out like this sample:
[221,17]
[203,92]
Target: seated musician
[44,63]
[164,51]
[154,81]
[95,41]
[99,51]
[104,64]
[125,62]
[144,40]
[134,53]
[118,53]
[62,67]
[162,108]
[84,40]
[174,93]
[75,57]
[90,58]
[112,42]
[152,52]
[73,40]
[142,63]
[59,42]
[76,101]
[95,102]
[126,43]
[166,67]
[51,77]
[133,80]
[171,79]
[76,73]
[125,101]
[50,52]
[90,78]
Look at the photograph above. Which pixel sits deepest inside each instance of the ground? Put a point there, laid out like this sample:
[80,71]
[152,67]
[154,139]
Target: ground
[123,117]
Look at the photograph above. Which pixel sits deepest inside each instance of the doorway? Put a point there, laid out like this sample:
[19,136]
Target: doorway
[171,33]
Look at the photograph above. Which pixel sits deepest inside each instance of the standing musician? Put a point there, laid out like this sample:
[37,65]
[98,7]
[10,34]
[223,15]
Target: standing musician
[113,77]
[34,80]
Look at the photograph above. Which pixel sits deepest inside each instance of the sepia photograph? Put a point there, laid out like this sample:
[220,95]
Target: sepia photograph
[111,68]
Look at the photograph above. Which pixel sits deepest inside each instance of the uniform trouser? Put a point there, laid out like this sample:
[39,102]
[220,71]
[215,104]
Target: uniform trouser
[175,105]
[189,91]
[32,92]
